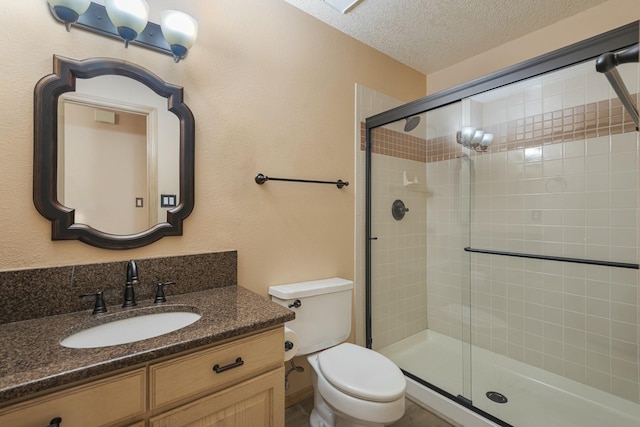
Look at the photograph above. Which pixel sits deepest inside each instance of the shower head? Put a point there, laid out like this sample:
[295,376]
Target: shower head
[412,123]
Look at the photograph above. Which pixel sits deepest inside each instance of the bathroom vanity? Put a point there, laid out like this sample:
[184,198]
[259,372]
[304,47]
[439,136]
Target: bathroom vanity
[226,366]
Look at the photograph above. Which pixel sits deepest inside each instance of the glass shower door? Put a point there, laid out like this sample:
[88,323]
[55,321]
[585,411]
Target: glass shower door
[554,341]
[419,199]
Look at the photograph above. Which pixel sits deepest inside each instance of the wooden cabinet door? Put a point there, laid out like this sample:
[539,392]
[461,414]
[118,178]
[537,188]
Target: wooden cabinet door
[258,402]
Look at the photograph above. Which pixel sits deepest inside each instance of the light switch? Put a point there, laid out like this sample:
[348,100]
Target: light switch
[168,200]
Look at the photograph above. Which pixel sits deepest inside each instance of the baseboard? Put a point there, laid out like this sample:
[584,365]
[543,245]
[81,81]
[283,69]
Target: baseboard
[298,396]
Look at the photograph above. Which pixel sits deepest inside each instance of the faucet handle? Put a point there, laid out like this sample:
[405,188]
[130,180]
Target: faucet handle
[160,298]
[100,306]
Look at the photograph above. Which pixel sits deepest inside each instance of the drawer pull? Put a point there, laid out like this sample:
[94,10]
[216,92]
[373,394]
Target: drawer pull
[219,369]
[55,422]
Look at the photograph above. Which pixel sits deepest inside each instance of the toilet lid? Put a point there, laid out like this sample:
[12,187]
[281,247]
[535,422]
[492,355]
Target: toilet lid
[362,373]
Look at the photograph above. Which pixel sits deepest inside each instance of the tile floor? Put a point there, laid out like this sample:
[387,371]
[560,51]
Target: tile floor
[414,416]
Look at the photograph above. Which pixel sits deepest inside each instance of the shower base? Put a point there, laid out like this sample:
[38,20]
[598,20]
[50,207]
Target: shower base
[535,397]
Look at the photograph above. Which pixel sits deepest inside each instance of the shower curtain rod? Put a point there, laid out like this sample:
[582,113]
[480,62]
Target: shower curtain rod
[607,63]
[553,258]
[261,179]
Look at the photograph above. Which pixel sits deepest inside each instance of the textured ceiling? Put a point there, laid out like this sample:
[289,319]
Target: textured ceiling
[429,35]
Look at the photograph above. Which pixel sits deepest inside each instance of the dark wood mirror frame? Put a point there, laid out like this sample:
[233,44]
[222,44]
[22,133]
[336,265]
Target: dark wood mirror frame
[45,154]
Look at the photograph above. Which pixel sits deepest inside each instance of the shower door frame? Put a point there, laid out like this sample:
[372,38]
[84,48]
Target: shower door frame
[589,49]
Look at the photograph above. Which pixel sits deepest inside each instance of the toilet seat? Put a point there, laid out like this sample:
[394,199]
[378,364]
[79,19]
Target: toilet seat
[362,373]
[350,410]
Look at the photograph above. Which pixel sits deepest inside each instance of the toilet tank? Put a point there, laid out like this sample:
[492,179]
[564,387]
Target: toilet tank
[323,317]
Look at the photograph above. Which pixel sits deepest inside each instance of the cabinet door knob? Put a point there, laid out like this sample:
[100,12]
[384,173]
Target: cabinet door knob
[237,363]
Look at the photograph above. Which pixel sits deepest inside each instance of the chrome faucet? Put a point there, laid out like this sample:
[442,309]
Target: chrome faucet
[132,279]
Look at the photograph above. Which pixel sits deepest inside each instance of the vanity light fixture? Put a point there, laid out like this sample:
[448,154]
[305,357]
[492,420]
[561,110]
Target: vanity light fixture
[475,139]
[128,21]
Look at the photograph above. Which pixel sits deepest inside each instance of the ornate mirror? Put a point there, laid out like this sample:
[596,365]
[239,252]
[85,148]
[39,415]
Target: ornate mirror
[113,154]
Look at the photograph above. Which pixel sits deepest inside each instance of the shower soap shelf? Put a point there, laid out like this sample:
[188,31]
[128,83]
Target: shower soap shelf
[412,184]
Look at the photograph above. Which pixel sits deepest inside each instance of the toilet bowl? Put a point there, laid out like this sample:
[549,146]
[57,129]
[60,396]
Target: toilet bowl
[353,386]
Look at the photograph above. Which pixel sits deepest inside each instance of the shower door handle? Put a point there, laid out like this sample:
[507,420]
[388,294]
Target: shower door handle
[373,238]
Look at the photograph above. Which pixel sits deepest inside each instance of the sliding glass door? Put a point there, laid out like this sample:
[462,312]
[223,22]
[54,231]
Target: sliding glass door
[419,221]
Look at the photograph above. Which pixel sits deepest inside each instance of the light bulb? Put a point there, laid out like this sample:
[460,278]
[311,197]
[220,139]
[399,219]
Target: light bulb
[69,11]
[477,137]
[467,134]
[128,16]
[180,31]
[487,139]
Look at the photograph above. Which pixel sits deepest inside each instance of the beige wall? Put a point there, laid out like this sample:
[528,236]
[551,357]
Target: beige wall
[594,21]
[272,91]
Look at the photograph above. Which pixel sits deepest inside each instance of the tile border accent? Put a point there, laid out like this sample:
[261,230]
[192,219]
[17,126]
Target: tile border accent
[591,120]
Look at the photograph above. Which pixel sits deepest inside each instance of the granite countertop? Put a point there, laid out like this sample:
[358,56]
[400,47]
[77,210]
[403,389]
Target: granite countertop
[33,360]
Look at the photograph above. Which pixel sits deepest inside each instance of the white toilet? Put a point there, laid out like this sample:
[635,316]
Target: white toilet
[353,386]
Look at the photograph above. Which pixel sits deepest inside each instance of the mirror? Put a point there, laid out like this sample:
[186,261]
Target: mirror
[113,153]
[116,139]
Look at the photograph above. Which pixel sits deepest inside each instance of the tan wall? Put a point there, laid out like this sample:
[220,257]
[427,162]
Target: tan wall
[272,91]
[594,21]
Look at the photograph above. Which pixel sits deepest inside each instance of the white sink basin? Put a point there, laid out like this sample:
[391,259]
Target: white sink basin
[131,329]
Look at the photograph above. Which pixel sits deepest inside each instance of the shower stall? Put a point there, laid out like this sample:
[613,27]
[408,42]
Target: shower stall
[502,243]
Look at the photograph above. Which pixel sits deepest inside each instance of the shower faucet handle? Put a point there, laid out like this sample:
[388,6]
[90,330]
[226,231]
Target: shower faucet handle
[398,209]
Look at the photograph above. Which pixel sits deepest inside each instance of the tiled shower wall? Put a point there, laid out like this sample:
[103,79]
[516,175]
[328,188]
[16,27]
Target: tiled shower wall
[561,178]
[399,292]
[574,320]
[398,255]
